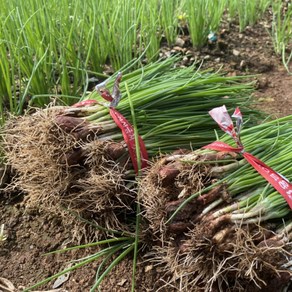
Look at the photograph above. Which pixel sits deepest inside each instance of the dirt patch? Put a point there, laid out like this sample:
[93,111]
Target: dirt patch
[274,93]
[31,234]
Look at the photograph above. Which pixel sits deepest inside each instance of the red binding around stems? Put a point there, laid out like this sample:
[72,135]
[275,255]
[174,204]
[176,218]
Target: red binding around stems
[129,137]
[126,128]
[84,103]
[275,179]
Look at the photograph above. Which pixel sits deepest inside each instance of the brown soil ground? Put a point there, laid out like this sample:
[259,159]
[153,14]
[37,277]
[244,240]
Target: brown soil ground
[30,233]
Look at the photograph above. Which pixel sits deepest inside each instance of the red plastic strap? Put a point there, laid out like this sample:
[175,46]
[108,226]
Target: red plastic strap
[106,95]
[221,146]
[129,137]
[275,179]
[126,128]
[84,103]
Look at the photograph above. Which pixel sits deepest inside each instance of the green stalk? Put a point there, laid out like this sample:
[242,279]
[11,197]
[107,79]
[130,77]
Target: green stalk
[204,16]
[138,208]
[169,19]
[150,29]
[101,242]
[112,265]
[247,11]
[281,27]
[76,266]
[105,260]
[22,100]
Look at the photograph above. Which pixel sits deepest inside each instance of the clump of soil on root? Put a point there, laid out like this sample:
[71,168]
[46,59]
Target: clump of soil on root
[59,163]
[168,183]
[233,258]
[102,190]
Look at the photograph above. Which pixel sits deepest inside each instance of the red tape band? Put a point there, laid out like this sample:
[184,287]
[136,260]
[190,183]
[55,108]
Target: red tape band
[275,179]
[129,137]
[221,146]
[84,103]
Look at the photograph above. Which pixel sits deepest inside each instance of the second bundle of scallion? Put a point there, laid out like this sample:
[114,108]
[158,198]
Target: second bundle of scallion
[215,213]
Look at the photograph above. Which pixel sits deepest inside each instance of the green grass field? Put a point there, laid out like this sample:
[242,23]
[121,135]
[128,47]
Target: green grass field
[53,48]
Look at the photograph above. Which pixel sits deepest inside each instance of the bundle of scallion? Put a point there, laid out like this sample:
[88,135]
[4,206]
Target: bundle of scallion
[213,212]
[77,154]
[170,105]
